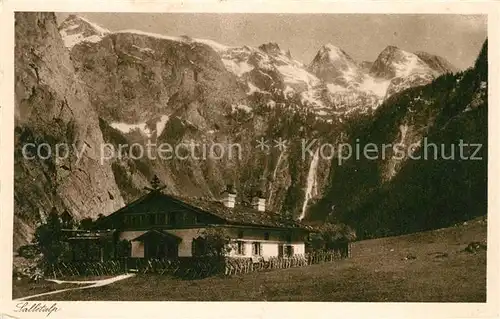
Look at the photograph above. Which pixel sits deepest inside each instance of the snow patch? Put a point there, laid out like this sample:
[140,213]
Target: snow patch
[143,49]
[144,128]
[132,56]
[264,62]
[411,64]
[288,90]
[96,27]
[271,104]
[70,40]
[252,89]
[293,74]
[127,128]
[71,27]
[214,45]
[243,107]
[152,35]
[237,67]
[267,75]
[160,125]
[333,88]
[73,39]
[309,96]
[376,86]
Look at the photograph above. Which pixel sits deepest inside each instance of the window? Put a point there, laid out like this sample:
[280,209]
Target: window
[135,221]
[281,250]
[266,236]
[198,219]
[199,247]
[285,250]
[142,220]
[181,217]
[126,221]
[256,249]
[160,219]
[152,219]
[171,218]
[240,248]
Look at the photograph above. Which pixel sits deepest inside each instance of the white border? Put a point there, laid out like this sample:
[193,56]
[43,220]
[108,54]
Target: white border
[247,309]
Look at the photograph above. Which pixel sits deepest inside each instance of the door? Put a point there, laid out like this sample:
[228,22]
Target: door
[161,249]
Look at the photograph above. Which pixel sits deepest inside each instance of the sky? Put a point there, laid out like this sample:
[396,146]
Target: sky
[458,38]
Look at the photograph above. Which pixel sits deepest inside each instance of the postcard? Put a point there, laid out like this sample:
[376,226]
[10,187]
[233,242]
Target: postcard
[249,160]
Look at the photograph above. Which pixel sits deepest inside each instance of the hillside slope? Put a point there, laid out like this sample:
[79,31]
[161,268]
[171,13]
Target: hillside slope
[439,270]
[442,184]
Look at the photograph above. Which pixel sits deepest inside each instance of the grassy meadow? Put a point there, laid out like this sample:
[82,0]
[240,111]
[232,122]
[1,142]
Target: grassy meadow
[423,267]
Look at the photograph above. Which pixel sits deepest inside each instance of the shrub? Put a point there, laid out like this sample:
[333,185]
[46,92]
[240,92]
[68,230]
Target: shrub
[28,251]
[49,240]
[328,236]
[217,242]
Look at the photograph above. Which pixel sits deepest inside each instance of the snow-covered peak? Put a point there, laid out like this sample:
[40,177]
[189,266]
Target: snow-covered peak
[437,63]
[394,62]
[270,48]
[76,29]
[332,53]
[333,65]
[269,63]
[333,82]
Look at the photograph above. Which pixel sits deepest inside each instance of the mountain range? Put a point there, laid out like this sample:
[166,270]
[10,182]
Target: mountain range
[331,85]
[84,85]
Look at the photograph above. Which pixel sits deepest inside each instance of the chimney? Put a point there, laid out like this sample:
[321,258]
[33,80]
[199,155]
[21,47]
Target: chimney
[229,196]
[259,202]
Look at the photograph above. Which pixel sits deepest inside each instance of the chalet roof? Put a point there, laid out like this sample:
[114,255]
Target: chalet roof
[238,215]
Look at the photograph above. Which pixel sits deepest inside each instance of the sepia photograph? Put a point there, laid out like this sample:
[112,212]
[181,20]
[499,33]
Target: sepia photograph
[245,156]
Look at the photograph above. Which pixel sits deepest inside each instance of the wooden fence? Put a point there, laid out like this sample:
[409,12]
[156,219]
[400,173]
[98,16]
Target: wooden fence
[191,268]
[88,268]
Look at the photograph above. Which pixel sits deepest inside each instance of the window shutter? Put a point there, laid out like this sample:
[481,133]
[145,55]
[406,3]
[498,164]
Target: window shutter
[243,248]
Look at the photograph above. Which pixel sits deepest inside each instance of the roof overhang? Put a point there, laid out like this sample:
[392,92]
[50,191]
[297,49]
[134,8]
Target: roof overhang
[158,234]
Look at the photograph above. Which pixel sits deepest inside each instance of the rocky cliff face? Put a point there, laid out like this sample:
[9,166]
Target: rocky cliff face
[52,107]
[86,85]
[176,90]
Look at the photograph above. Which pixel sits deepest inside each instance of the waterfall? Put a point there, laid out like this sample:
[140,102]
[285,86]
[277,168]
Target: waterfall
[274,177]
[403,130]
[391,166]
[277,165]
[311,186]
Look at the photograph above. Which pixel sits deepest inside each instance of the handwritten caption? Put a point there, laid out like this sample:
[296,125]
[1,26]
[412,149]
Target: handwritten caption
[37,307]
